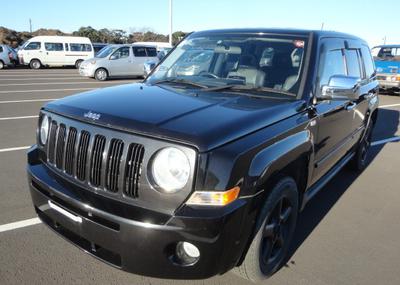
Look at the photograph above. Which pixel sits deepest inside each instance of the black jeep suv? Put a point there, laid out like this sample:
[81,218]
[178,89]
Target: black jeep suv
[204,166]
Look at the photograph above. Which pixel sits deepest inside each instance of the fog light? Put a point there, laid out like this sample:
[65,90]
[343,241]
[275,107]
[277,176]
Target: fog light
[187,253]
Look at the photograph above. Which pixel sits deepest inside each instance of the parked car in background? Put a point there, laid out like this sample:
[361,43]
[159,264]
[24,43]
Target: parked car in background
[387,62]
[159,45]
[150,64]
[7,56]
[97,47]
[125,60]
[190,175]
[55,51]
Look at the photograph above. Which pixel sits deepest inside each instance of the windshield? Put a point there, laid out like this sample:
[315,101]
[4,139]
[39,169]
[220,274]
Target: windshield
[252,61]
[106,51]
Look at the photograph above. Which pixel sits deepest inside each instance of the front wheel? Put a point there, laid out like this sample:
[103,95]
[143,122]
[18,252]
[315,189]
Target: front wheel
[35,64]
[276,225]
[101,74]
[1,65]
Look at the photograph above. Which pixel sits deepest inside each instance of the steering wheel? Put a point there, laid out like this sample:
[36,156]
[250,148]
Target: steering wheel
[208,74]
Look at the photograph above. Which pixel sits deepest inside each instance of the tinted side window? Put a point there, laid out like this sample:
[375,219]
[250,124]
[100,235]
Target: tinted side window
[80,47]
[332,63]
[33,46]
[368,62]
[121,53]
[53,46]
[353,63]
[151,52]
[139,51]
[1,49]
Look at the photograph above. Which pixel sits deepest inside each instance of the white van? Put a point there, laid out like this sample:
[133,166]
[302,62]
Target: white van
[55,51]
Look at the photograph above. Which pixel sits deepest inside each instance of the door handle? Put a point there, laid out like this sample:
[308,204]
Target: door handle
[350,106]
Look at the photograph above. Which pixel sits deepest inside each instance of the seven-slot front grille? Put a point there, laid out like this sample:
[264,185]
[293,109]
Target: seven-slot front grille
[87,157]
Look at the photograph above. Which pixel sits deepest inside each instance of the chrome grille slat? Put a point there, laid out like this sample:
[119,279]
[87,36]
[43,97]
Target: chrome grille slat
[133,169]
[52,142]
[113,164]
[60,146]
[82,155]
[70,151]
[96,160]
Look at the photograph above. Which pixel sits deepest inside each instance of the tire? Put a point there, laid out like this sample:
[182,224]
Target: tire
[35,64]
[1,64]
[101,74]
[78,63]
[359,161]
[276,225]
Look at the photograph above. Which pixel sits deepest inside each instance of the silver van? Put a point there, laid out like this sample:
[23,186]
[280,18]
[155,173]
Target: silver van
[7,56]
[125,60]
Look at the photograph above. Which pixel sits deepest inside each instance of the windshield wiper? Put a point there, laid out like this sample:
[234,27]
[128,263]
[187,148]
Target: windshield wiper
[238,87]
[181,81]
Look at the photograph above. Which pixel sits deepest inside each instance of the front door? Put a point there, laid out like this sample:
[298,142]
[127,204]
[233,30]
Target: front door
[53,54]
[120,62]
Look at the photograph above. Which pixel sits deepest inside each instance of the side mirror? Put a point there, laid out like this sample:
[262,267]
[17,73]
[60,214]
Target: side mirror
[341,87]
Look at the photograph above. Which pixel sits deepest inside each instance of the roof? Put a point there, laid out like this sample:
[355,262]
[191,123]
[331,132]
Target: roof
[282,31]
[388,46]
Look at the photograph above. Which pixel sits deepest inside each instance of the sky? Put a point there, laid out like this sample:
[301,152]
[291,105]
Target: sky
[364,18]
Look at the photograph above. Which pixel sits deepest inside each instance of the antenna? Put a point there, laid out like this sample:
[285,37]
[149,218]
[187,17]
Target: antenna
[170,22]
[322,26]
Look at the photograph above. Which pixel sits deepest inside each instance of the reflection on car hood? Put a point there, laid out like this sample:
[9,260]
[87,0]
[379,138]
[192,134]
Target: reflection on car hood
[205,120]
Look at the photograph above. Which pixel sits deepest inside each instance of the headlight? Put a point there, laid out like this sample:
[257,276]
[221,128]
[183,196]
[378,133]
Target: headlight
[44,130]
[171,169]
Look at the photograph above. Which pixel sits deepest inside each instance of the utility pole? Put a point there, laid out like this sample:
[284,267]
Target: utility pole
[322,26]
[30,25]
[384,40]
[170,22]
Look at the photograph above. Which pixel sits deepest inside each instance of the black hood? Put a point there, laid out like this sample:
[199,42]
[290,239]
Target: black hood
[205,120]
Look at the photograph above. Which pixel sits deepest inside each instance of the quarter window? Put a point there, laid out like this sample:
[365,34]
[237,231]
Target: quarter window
[53,46]
[353,63]
[151,52]
[332,63]
[80,47]
[139,51]
[33,46]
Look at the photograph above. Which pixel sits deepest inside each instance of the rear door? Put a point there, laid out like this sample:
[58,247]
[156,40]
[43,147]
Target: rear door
[139,58]
[333,118]
[54,53]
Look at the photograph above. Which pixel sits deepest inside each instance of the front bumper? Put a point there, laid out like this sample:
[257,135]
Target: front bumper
[86,70]
[135,245]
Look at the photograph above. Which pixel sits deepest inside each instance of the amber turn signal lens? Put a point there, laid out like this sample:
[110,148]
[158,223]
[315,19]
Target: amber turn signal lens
[214,198]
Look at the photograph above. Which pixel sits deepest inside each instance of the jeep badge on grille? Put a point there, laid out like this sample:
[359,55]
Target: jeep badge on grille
[91,115]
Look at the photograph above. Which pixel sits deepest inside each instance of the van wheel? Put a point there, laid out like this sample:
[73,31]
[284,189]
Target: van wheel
[1,64]
[35,64]
[101,74]
[78,63]
[276,225]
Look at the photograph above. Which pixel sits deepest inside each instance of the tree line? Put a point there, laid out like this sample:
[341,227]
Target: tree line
[112,36]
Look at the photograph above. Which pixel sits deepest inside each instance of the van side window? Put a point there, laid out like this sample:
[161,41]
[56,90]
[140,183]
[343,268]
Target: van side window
[368,62]
[33,46]
[151,51]
[139,51]
[332,63]
[80,47]
[122,52]
[353,63]
[54,46]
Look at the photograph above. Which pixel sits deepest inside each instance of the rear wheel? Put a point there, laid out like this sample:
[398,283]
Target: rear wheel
[269,247]
[35,64]
[78,63]
[1,64]
[359,161]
